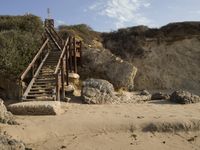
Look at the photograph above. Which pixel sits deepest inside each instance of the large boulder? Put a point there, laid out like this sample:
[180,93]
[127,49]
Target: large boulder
[101,63]
[36,108]
[97,91]
[184,97]
[5,116]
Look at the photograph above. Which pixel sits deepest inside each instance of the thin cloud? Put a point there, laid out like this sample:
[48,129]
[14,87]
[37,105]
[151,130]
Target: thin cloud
[197,12]
[60,22]
[123,11]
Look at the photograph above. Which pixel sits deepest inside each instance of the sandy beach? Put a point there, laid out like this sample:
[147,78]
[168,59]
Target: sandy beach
[152,125]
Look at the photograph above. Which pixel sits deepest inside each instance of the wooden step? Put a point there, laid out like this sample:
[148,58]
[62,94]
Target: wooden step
[41,89]
[45,80]
[46,74]
[39,92]
[49,72]
[39,95]
[45,99]
[43,83]
[42,86]
[39,99]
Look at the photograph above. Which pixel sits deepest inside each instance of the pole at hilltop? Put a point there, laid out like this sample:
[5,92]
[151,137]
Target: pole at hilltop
[48,12]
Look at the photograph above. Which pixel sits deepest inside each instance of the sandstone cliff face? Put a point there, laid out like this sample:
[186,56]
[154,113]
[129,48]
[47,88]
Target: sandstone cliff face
[169,66]
[166,58]
[101,63]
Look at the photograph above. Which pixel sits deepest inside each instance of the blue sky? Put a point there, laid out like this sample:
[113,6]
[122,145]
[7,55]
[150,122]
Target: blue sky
[107,15]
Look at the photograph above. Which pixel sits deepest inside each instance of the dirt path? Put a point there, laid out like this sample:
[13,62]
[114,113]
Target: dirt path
[117,127]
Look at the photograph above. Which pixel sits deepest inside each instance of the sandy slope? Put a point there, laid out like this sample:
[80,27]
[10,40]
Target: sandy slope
[117,127]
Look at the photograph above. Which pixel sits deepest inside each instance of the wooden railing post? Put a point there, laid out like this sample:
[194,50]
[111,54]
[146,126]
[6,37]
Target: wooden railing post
[75,60]
[57,88]
[70,54]
[62,78]
[67,65]
[80,53]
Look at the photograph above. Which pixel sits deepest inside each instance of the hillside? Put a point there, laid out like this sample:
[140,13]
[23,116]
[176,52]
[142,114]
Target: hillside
[20,39]
[166,58]
[82,32]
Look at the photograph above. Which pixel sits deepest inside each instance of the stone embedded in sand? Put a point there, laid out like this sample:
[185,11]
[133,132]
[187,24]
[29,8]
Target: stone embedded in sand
[144,92]
[36,108]
[6,116]
[159,96]
[184,97]
[97,91]
[6,143]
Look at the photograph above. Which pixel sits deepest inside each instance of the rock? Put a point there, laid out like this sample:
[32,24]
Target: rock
[74,79]
[131,88]
[144,92]
[69,89]
[101,63]
[131,98]
[36,108]
[6,116]
[184,97]
[6,143]
[159,96]
[74,76]
[97,91]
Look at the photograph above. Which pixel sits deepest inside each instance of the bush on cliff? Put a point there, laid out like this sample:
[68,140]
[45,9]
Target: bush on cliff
[20,39]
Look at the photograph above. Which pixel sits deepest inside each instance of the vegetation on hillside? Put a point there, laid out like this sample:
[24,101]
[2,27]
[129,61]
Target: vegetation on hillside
[20,39]
[129,42]
[82,32]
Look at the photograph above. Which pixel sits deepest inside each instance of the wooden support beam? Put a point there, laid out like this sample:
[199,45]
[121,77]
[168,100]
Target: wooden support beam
[70,54]
[74,51]
[80,53]
[62,79]
[57,88]
[67,65]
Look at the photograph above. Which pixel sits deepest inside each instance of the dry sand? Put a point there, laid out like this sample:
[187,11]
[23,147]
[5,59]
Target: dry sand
[154,125]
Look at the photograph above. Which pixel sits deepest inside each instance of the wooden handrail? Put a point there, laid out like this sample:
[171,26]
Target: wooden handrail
[61,56]
[34,60]
[54,40]
[55,33]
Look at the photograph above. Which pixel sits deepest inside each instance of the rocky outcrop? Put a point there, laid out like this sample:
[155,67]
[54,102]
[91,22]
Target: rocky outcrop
[166,58]
[101,63]
[6,116]
[184,97]
[97,91]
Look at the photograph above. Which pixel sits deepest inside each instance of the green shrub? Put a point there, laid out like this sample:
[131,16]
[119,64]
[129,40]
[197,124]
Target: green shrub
[20,39]
[29,23]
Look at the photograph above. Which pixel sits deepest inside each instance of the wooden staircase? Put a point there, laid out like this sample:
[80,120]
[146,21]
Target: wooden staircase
[47,74]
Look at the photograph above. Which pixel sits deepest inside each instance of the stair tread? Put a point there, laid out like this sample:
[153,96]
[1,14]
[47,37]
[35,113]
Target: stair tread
[40,92]
[35,89]
[45,99]
[38,95]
